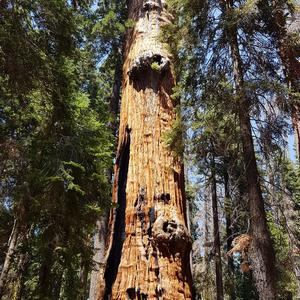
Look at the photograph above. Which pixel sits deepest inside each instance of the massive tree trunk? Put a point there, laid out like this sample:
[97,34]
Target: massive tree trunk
[217,243]
[12,245]
[261,253]
[149,244]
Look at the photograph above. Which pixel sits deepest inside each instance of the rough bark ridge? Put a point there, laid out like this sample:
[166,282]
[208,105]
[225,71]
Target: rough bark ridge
[149,243]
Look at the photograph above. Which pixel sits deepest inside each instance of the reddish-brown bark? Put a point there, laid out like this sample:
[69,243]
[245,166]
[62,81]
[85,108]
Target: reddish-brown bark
[149,243]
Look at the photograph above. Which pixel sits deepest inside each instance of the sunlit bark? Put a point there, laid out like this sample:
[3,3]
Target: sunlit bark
[149,243]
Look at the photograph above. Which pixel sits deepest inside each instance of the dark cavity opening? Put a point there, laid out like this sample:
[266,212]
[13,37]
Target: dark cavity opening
[150,5]
[119,226]
[131,293]
[157,59]
[148,71]
[165,197]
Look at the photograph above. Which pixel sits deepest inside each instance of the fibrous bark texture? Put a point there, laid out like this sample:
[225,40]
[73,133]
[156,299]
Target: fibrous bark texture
[149,243]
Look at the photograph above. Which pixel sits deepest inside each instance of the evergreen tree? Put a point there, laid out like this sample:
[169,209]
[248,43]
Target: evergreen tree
[56,146]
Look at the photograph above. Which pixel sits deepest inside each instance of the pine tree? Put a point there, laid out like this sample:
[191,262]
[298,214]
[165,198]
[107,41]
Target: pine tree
[56,146]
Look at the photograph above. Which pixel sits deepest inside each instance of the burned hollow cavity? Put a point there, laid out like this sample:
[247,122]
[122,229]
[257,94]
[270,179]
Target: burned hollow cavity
[114,257]
[148,64]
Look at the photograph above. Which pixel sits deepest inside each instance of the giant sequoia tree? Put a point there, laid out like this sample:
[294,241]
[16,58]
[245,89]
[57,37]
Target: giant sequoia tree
[233,64]
[149,243]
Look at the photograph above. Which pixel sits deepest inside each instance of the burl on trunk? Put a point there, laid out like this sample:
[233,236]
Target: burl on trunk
[149,244]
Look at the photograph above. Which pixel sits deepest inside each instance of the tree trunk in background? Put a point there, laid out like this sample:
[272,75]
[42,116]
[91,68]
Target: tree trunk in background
[100,236]
[288,51]
[12,245]
[290,216]
[19,284]
[115,98]
[261,251]
[97,273]
[45,282]
[217,243]
[289,54]
[149,243]
[289,57]
[24,259]
[83,280]
[208,286]
[229,235]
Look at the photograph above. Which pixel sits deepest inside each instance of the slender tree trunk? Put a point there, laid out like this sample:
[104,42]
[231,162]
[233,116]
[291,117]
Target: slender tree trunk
[149,243]
[229,231]
[47,286]
[99,257]
[217,243]
[276,21]
[290,216]
[12,245]
[291,65]
[18,286]
[21,268]
[45,274]
[57,287]
[115,97]
[207,286]
[261,253]
[83,280]
[289,54]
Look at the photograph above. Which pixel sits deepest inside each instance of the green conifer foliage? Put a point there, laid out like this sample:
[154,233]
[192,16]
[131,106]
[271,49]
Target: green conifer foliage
[56,144]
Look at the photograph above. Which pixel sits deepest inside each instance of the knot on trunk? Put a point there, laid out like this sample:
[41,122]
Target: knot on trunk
[171,236]
[148,62]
